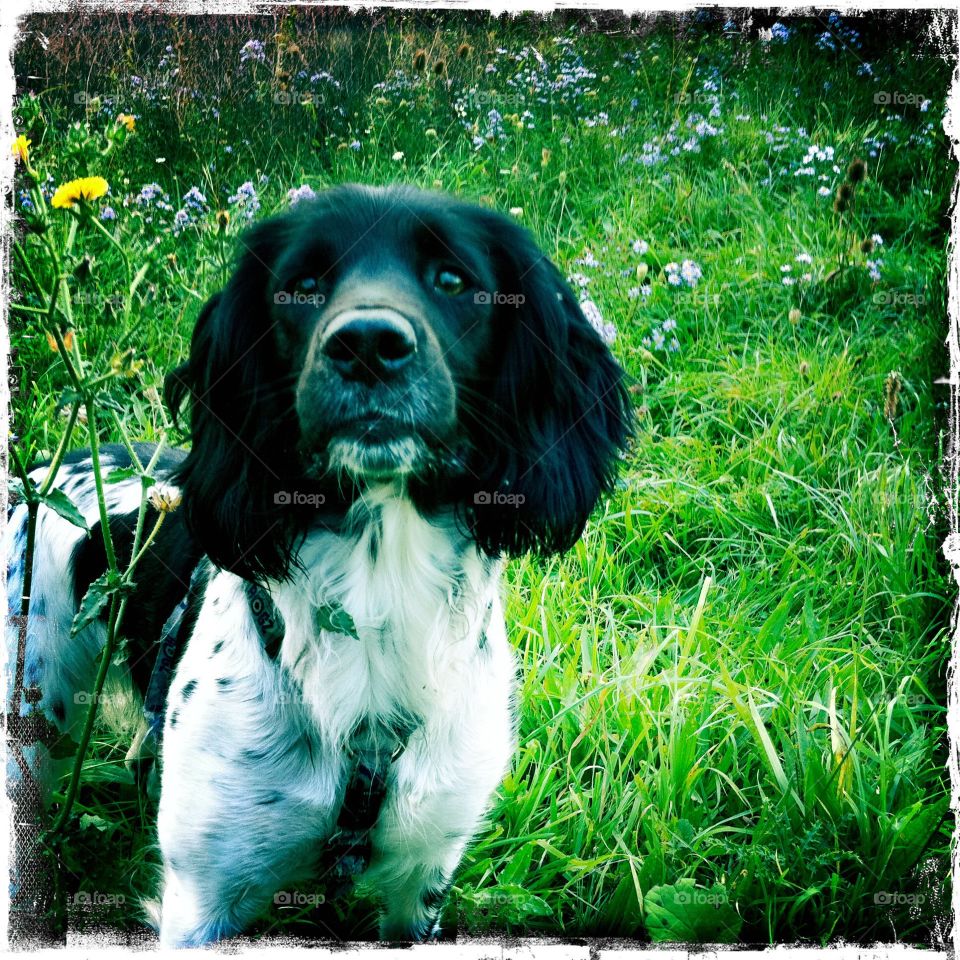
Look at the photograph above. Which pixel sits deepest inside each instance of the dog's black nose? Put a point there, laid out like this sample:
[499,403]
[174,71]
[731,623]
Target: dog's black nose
[372,347]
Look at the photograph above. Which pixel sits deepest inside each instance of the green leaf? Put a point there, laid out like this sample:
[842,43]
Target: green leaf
[517,866]
[60,503]
[333,617]
[508,902]
[915,835]
[120,473]
[623,911]
[772,628]
[89,820]
[15,489]
[94,600]
[96,771]
[685,913]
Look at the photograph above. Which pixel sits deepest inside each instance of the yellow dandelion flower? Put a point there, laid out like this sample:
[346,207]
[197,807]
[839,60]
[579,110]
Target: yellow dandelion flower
[86,188]
[21,148]
[127,120]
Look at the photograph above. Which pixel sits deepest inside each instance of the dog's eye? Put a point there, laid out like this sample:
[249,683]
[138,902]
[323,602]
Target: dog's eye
[306,285]
[450,282]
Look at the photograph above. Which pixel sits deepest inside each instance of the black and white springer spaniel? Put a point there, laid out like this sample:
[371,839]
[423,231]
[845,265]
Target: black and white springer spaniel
[394,391]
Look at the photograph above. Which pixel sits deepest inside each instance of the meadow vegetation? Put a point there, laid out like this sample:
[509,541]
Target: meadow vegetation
[732,691]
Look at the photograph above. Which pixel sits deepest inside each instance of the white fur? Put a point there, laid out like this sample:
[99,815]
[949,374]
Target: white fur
[255,761]
[417,653]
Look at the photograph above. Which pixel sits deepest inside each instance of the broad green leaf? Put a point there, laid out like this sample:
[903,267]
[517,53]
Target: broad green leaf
[60,503]
[508,903]
[685,913]
[120,473]
[89,820]
[94,600]
[914,836]
[333,617]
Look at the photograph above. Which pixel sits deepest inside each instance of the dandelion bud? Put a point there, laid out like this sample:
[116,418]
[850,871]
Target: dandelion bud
[165,497]
[642,271]
[440,68]
[804,368]
[545,155]
[562,177]
[867,246]
[223,219]
[794,315]
[419,60]
[464,51]
[891,389]
[430,133]
[857,171]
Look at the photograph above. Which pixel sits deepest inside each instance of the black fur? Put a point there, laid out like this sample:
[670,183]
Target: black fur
[542,413]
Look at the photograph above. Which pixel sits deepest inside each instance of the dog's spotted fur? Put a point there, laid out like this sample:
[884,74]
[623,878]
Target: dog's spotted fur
[344,688]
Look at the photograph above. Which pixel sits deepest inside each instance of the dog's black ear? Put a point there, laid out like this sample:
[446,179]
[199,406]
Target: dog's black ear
[240,420]
[560,416]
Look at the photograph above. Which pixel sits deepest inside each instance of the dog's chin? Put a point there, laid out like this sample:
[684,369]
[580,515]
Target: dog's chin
[377,460]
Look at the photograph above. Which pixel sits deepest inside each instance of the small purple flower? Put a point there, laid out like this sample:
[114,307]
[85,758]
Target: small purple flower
[246,199]
[253,50]
[299,194]
[194,199]
[108,213]
[780,32]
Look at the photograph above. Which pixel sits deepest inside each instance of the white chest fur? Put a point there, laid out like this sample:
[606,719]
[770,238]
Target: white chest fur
[419,597]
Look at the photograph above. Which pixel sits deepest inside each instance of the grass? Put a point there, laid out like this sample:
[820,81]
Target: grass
[732,695]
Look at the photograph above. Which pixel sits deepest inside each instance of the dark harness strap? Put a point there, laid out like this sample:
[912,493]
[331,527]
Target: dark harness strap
[172,642]
[372,750]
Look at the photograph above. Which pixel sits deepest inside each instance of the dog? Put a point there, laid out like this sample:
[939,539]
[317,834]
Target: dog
[394,392]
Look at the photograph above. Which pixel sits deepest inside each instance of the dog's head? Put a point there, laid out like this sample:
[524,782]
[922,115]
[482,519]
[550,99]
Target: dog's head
[377,335]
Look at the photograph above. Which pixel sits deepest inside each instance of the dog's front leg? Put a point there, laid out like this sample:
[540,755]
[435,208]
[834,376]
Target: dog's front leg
[246,794]
[439,790]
